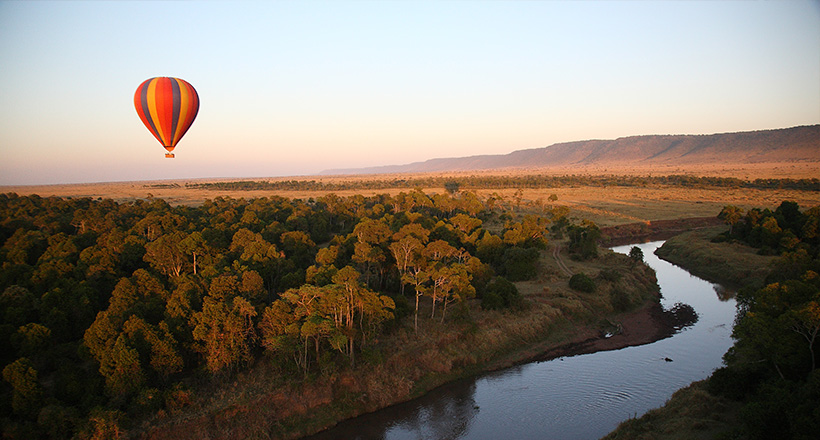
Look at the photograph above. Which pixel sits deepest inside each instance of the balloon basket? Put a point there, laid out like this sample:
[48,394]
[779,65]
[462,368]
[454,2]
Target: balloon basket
[169,155]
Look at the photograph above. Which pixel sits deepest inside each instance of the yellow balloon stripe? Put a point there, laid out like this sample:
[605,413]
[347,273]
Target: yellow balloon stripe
[152,107]
[184,108]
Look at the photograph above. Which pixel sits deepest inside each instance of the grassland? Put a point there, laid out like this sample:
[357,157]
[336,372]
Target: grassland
[605,205]
[731,264]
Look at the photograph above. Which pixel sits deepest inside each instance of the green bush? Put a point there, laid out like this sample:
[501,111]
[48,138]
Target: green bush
[582,283]
[611,275]
[520,264]
[620,300]
[500,294]
[492,301]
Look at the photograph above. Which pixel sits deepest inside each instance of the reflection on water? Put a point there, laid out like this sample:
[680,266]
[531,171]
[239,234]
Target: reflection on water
[724,293]
[445,417]
[579,397]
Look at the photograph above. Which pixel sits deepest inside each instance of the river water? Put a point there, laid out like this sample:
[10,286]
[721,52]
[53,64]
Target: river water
[577,397]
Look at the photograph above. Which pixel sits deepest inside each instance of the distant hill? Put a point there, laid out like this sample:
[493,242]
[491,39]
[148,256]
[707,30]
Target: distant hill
[797,144]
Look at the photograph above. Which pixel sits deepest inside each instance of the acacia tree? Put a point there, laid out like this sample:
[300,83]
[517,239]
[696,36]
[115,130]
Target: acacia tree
[225,331]
[166,253]
[371,235]
[418,276]
[27,393]
[339,315]
[806,323]
[731,215]
[769,323]
[405,251]
[279,330]
[196,246]
[451,283]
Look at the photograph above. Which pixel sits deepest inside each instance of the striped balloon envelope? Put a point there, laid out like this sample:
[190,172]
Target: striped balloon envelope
[168,107]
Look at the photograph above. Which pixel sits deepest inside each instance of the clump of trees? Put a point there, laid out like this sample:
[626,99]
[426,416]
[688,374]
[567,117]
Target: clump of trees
[583,240]
[111,311]
[772,366]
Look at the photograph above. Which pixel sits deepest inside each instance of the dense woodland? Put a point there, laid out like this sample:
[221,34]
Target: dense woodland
[111,312]
[772,368]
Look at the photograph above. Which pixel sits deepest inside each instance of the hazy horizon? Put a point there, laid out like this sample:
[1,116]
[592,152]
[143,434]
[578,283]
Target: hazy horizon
[292,89]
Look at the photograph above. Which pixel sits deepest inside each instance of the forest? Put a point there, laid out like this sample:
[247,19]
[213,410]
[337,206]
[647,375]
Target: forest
[772,367]
[114,311]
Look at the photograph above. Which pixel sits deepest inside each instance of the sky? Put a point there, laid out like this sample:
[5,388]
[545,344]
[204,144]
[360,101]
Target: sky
[293,88]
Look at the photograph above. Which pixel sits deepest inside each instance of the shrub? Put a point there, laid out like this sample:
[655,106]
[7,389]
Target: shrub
[636,254]
[501,293]
[492,301]
[520,264]
[611,275]
[620,300]
[582,283]
[734,383]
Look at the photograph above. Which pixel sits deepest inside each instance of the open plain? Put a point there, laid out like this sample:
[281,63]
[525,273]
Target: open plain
[609,205]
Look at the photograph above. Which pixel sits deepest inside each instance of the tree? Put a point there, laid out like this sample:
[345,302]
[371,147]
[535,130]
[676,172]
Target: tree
[278,328]
[166,253]
[773,323]
[500,294]
[456,286]
[122,369]
[32,338]
[530,232]
[731,215]
[465,225]
[636,255]
[371,235]
[251,247]
[520,264]
[27,392]
[806,323]
[452,186]
[418,277]
[583,240]
[196,246]
[406,252]
[226,332]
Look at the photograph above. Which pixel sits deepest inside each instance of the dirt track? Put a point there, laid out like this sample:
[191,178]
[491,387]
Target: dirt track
[556,254]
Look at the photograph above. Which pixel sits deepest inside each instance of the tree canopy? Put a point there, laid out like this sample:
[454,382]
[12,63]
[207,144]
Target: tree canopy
[109,309]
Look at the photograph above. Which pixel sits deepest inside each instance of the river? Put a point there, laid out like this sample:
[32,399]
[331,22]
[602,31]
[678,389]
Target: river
[577,397]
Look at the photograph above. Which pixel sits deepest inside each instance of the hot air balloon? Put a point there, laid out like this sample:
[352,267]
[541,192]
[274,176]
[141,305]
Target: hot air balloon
[168,107]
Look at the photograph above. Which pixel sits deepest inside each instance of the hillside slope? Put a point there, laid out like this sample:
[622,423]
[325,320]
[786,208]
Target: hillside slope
[797,144]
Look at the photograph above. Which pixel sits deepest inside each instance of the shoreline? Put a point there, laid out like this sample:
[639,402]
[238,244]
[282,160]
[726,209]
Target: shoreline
[640,232]
[644,325]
